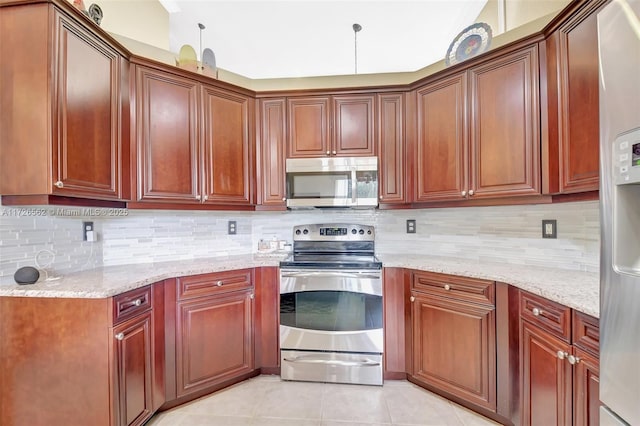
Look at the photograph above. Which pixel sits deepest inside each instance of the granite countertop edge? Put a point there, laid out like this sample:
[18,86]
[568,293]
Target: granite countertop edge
[576,289]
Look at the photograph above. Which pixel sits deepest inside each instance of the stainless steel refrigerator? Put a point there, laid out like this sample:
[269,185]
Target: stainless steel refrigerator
[619,49]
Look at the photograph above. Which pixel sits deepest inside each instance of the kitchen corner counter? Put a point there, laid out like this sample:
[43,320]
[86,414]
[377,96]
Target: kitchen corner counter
[112,280]
[575,289]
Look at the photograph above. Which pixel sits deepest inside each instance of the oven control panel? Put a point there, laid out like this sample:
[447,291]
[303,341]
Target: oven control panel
[333,232]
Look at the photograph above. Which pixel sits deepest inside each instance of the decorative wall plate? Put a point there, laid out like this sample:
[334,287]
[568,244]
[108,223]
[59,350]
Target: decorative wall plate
[471,41]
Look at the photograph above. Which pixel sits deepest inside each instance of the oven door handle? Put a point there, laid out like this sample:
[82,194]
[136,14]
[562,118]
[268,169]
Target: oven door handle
[306,360]
[302,274]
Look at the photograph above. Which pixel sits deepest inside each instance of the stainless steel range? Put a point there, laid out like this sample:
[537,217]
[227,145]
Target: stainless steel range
[331,306]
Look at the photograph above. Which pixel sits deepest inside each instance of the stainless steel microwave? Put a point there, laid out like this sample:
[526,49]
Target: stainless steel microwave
[332,182]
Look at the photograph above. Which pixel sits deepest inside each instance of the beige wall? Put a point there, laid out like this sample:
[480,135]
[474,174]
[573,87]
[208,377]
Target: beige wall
[519,12]
[146,21]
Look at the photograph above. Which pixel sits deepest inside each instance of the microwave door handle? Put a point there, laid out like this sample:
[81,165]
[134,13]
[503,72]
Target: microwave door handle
[353,187]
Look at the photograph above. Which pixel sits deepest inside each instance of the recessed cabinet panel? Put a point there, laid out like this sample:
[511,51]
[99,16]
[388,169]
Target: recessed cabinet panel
[167,137]
[505,145]
[308,127]
[226,147]
[391,148]
[354,125]
[441,166]
[88,115]
[272,153]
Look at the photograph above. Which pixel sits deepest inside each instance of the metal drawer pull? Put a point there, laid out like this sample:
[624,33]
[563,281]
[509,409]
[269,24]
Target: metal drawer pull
[447,287]
[138,302]
[251,296]
[363,363]
[562,354]
[219,283]
[471,192]
[120,336]
[59,184]
[412,298]
[573,360]
[536,312]
[130,305]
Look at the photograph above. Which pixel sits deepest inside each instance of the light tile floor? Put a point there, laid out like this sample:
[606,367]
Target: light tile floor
[269,401]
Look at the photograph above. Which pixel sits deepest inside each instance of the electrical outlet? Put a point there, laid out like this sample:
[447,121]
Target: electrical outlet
[87,231]
[411,226]
[232,227]
[549,228]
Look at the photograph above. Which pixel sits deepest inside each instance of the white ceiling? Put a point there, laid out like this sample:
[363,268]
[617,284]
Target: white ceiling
[300,38]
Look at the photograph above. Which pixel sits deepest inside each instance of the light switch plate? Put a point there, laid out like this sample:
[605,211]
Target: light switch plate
[549,228]
[411,226]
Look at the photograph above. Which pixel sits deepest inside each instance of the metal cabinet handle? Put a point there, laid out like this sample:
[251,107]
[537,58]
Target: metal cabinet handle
[328,152]
[59,184]
[412,298]
[206,197]
[284,198]
[138,302]
[562,354]
[334,152]
[219,283]
[447,287]
[536,312]
[471,192]
[463,193]
[119,336]
[198,197]
[573,360]
[251,296]
[381,197]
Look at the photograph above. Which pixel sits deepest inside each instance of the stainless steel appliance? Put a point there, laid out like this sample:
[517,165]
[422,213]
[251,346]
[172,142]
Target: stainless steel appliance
[332,182]
[331,306]
[619,49]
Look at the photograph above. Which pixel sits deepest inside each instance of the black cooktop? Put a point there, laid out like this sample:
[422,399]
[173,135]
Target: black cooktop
[331,261]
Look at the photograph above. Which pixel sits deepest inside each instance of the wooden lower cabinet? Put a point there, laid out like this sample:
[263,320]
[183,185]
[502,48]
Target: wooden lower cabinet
[454,338]
[559,364]
[214,340]
[133,371]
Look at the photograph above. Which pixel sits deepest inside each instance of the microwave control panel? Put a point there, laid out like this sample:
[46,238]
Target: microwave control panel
[626,158]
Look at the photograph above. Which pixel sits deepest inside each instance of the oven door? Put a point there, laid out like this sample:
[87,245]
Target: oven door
[331,310]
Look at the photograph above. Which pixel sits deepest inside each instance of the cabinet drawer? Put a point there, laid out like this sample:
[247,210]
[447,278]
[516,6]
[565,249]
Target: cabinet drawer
[131,303]
[548,315]
[586,333]
[459,288]
[218,282]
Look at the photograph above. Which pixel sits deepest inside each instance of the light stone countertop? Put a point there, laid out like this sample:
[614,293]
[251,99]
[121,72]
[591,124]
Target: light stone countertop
[575,289]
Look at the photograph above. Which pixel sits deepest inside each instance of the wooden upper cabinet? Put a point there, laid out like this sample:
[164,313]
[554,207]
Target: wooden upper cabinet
[194,141]
[441,165]
[353,125]
[270,170]
[391,148]
[308,127]
[504,126]
[64,129]
[167,137]
[227,146]
[321,126]
[570,131]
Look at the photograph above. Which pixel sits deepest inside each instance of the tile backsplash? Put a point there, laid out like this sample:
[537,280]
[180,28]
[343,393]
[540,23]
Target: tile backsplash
[509,234]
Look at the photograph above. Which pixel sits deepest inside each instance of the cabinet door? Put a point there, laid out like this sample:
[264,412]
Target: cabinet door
[505,140]
[308,127]
[353,126]
[226,145]
[454,348]
[571,162]
[272,153]
[132,355]
[441,148]
[586,390]
[167,137]
[214,340]
[391,148]
[546,378]
[87,150]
